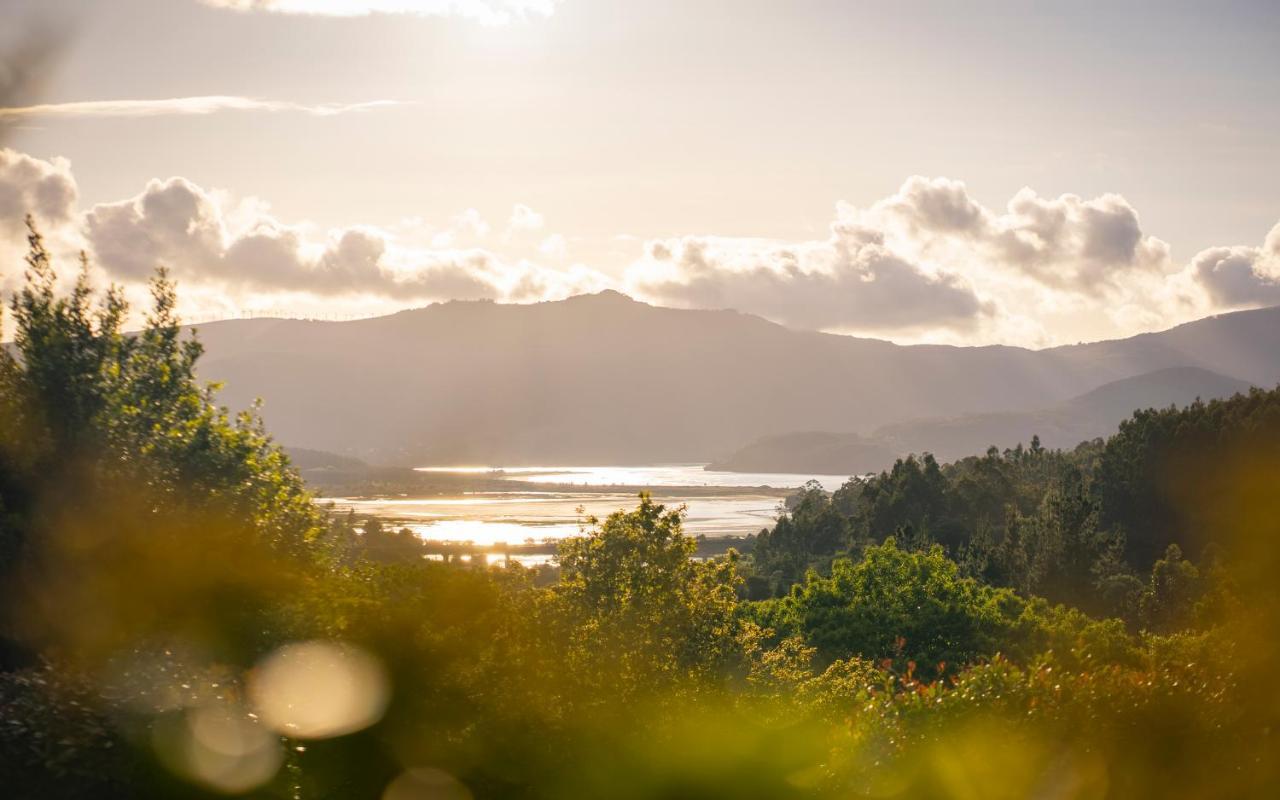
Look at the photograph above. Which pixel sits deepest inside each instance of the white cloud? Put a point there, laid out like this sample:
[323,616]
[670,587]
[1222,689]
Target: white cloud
[47,190]
[186,228]
[1241,276]
[31,185]
[554,247]
[524,220]
[469,227]
[849,281]
[927,263]
[189,106]
[1067,242]
[489,12]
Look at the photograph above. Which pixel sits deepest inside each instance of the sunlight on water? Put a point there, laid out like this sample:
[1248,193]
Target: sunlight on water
[498,559]
[650,476]
[485,533]
[507,517]
[486,520]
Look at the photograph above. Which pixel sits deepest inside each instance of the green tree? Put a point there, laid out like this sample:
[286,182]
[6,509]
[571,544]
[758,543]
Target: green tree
[809,533]
[111,447]
[1172,593]
[95,403]
[640,611]
[909,607]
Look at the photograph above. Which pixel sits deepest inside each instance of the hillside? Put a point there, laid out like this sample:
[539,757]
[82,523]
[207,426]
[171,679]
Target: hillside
[1087,416]
[1090,415]
[604,379]
[811,452]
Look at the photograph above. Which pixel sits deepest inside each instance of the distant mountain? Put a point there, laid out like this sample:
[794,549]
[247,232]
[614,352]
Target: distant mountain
[319,461]
[1088,416]
[812,452]
[1114,402]
[604,379]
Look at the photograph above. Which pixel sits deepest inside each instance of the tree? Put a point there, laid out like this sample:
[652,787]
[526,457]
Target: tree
[1064,544]
[1161,477]
[811,531]
[112,447]
[1171,594]
[907,607]
[640,610]
[129,409]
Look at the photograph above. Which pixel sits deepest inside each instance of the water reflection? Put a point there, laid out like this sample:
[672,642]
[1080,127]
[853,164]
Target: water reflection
[670,475]
[505,517]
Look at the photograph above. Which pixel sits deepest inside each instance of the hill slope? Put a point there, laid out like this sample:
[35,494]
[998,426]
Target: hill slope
[1088,416]
[604,379]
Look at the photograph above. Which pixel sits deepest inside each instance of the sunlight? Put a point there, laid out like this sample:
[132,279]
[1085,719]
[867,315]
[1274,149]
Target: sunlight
[639,400]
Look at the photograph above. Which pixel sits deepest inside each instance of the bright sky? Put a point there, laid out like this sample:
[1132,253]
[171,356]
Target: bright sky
[1026,173]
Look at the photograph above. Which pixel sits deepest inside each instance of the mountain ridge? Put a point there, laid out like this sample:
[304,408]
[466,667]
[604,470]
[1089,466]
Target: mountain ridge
[1088,416]
[607,379]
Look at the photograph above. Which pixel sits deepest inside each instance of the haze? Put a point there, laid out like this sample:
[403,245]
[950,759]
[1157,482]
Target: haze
[921,172]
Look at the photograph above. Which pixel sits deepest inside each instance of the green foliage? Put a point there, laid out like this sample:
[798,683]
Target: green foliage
[1082,527]
[1151,470]
[1170,599]
[900,606]
[88,403]
[811,529]
[914,611]
[637,610]
[56,744]
[158,552]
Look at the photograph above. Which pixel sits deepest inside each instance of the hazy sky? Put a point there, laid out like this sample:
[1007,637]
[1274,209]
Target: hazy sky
[1029,173]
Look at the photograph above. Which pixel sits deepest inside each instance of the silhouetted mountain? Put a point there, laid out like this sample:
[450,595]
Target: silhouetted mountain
[305,461]
[1093,414]
[810,451]
[1111,403]
[604,379]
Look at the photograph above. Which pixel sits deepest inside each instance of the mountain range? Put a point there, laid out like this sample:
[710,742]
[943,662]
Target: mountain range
[1087,416]
[604,379]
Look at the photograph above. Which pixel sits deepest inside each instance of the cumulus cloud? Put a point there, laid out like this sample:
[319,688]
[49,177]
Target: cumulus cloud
[468,227]
[849,281]
[1068,242]
[186,106]
[31,185]
[489,12]
[524,220]
[927,263]
[1241,276]
[186,228]
[931,258]
[47,190]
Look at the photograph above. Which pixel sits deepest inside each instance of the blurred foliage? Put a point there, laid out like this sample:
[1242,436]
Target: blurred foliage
[915,613]
[179,620]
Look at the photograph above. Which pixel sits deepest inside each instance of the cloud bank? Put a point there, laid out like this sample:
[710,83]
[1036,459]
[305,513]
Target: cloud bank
[190,230]
[851,280]
[187,106]
[929,261]
[926,263]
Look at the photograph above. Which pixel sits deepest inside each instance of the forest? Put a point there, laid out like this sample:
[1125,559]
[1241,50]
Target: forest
[178,618]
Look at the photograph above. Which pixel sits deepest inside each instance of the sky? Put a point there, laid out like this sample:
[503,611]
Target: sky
[972,173]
